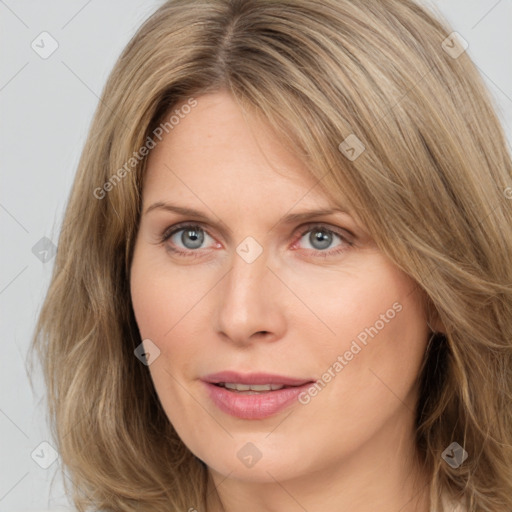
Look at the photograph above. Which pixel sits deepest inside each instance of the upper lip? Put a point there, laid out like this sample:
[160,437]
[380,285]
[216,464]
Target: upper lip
[253,378]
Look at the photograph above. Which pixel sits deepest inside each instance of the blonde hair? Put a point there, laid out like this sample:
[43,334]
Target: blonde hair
[432,185]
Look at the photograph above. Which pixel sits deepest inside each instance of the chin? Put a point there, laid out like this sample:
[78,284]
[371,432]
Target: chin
[262,465]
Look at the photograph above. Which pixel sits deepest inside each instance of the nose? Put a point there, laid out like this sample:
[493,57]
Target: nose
[251,302]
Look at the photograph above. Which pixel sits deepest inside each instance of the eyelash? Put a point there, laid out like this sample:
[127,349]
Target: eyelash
[169,232]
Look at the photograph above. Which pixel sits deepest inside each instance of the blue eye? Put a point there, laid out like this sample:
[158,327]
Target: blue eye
[320,238]
[193,236]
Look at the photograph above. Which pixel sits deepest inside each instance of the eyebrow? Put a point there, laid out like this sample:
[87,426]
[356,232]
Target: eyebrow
[287,219]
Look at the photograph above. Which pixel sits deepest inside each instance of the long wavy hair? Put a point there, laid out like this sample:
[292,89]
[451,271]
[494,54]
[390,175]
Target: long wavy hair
[430,176]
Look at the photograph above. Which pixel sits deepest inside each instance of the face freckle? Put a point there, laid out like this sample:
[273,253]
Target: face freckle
[257,297]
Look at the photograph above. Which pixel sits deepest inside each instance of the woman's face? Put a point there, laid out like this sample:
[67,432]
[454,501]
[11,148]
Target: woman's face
[245,287]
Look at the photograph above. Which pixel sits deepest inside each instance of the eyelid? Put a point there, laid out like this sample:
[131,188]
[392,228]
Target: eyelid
[342,232]
[170,230]
[303,228]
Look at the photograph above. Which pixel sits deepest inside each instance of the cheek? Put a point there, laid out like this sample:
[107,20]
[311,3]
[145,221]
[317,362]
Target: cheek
[148,298]
[168,306]
[159,298]
[378,339]
[375,300]
[160,303]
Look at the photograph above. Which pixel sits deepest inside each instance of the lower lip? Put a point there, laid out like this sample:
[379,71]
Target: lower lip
[257,406]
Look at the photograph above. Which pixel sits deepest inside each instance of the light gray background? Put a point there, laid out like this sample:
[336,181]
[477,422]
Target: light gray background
[46,107]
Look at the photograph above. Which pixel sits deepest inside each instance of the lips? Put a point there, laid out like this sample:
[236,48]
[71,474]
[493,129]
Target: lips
[254,378]
[254,388]
[253,396]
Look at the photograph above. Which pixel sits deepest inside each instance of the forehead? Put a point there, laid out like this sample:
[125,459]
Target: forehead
[219,149]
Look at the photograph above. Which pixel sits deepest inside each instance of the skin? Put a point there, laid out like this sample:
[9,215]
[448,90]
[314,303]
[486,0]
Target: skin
[290,312]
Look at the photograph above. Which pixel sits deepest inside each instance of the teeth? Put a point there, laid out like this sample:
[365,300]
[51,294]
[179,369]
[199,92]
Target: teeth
[250,387]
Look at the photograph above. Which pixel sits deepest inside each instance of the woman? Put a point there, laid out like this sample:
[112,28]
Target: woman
[283,280]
